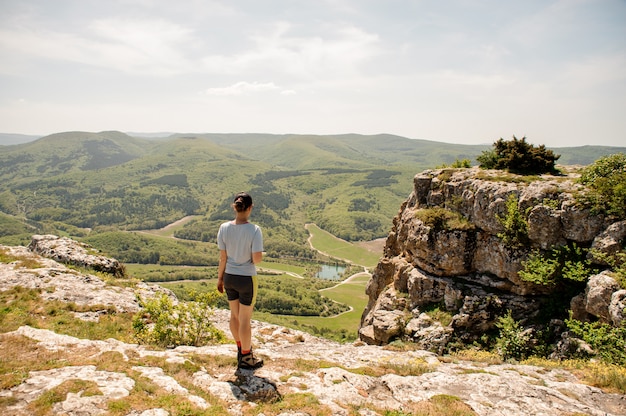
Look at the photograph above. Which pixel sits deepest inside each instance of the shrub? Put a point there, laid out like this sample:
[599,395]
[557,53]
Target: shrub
[165,324]
[458,163]
[443,219]
[465,163]
[606,179]
[439,314]
[515,225]
[564,262]
[609,342]
[513,341]
[518,156]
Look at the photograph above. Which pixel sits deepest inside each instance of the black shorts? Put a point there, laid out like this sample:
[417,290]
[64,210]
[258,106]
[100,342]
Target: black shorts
[242,288]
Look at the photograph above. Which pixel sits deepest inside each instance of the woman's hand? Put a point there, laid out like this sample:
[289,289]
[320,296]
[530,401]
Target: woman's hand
[220,284]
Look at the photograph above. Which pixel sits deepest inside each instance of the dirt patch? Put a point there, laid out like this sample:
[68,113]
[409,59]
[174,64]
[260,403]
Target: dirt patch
[375,246]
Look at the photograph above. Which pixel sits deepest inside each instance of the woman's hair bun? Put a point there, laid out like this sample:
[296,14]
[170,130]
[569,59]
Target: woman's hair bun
[242,201]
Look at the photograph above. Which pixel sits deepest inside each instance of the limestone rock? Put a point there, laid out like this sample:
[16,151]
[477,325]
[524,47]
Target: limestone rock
[544,226]
[424,289]
[617,308]
[570,347]
[111,385]
[64,284]
[600,289]
[428,334]
[387,324]
[578,306]
[68,251]
[255,388]
[609,241]
[579,224]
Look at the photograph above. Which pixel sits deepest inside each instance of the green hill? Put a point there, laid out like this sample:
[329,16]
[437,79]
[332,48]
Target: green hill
[346,150]
[350,185]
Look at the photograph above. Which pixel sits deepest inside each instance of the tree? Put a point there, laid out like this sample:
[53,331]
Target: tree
[518,156]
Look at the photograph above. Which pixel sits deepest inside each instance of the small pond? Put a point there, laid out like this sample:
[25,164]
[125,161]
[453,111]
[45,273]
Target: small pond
[330,272]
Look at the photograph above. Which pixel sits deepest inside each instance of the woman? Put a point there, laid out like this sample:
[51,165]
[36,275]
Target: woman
[241,247]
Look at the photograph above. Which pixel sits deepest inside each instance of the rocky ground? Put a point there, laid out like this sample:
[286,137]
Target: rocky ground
[341,379]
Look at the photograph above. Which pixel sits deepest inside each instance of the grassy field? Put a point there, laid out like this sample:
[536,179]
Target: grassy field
[170,229]
[342,327]
[287,268]
[336,247]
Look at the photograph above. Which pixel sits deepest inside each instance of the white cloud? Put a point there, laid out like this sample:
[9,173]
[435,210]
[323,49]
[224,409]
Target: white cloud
[145,46]
[241,88]
[453,78]
[335,52]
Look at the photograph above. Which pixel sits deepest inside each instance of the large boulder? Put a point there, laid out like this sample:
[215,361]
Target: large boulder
[609,242]
[387,325]
[427,333]
[599,294]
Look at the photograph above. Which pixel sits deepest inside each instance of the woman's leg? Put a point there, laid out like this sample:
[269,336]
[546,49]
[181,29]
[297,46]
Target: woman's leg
[245,327]
[235,307]
[247,360]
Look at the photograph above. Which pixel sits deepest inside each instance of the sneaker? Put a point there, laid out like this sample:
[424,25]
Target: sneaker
[249,362]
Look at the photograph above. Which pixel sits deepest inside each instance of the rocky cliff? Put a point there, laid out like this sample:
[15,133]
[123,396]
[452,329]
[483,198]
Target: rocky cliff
[450,250]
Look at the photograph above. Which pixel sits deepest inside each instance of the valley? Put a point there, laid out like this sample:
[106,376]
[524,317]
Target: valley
[350,291]
[156,204]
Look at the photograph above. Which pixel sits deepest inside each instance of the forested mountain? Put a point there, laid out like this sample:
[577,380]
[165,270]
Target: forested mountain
[351,185]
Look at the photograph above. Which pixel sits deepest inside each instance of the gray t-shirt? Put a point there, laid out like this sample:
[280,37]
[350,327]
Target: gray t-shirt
[240,241]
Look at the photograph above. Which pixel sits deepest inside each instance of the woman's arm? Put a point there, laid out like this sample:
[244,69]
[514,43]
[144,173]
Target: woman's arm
[257,257]
[220,271]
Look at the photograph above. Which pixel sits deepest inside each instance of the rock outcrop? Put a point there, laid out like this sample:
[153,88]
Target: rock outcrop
[471,272]
[58,282]
[68,251]
[95,377]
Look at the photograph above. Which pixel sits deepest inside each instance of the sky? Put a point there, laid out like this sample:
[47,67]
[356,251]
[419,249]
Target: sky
[456,71]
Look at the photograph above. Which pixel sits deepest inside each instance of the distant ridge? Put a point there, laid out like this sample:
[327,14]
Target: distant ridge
[288,150]
[7,139]
[153,135]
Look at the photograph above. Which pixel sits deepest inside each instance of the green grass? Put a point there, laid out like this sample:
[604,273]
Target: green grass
[283,267]
[335,247]
[164,273]
[139,269]
[172,228]
[351,293]
[23,306]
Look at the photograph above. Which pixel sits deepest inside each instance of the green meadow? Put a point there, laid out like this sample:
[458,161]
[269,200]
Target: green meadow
[335,247]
